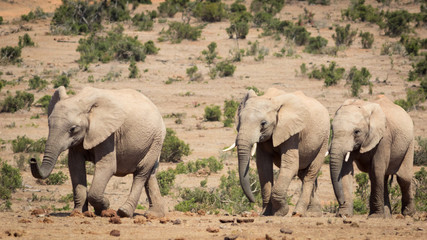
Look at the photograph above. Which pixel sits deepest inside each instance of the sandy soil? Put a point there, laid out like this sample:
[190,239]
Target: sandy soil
[55,54]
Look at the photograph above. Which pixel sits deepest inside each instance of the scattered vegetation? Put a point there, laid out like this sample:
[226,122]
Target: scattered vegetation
[420,156]
[256,90]
[133,70]
[344,35]
[397,22]
[27,145]
[357,79]
[166,180]
[37,83]
[210,165]
[361,201]
[367,39]
[58,178]
[316,45]
[212,113]
[239,21]
[194,74]
[10,55]
[173,148]
[43,102]
[210,54]
[21,100]
[330,74]
[25,41]
[36,15]
[210,11]
[10,180]
[61,80]
[421,190]
[179,31]
[230,109]
[144,22]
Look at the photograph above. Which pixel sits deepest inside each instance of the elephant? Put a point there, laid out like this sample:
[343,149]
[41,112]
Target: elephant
[379,137]
[290,130]
[120,131]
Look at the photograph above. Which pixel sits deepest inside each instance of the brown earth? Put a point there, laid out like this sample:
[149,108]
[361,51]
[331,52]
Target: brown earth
[55,54]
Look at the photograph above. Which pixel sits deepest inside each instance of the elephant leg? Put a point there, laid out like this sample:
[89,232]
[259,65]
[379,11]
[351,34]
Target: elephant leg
[404,179]
[96,192]
[347,172]
[77,168]
[156,207]
[314,207]
[265,172]
[128,208]
[387,205]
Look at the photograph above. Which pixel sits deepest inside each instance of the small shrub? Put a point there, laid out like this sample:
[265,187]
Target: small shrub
[367,39]
[389,48]
[144,22]
[344,35]
[1,20]
[230,109]
[10,55]
[25,144]
[61,80]
[169,8]
[269,6]
[420,156]
[150,48]
[331,74]
[179,31]
[25,41]
[173,148]
[419,71]
[37,83]
[397,22]
[58,178]
[37,14]
[211,54]
[421,190]
[364,13]
[239,24]
[225,68]
[211,164]
[166,180]
[361,200]
[357,79]
[256,90]
[210,11]
[43,102]
[10,180]
[193,74]
[19,101]
[413,99]
[133,70]
[212,113]
[316,45]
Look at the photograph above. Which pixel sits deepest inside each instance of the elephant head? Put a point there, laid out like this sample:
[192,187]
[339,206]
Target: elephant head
[88,119]
[273,117]
[358,126]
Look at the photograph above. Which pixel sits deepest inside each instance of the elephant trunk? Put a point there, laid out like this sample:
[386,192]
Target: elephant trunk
[336,163]
[49,160]
[244,150]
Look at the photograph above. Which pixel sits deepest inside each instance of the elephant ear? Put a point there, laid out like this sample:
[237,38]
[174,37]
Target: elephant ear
[242,104]
[291,117]
[105,117]
[377,125]
[59,94]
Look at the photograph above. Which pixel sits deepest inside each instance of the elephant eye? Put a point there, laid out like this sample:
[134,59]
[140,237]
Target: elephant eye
[73,129]
[263,123]
[357,132]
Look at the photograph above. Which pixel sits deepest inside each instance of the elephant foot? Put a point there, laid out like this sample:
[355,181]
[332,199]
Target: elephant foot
[157,212]
[314,210]
[377,215]
[409,210]
[122,212]
[344,212]
[267,210]
[282,211]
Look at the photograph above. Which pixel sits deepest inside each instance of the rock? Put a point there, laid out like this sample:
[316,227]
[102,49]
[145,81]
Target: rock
[15,233]
[296,215]
[212,229]
[140,220]
[108,213]
[400,216]
[115,233]
[151,217]
[164,220]
[232,237]
[329,221]
[420,229]
[39,212]
[76,213]
[85,222]
[201,212]
[189,214]
[227,220]
[319,223]
[89,214]
[354,224]
[177,222]
[269,221]
[286,231]
[47,220]
[24,220]
[345,221]
[245,220]
[115,220]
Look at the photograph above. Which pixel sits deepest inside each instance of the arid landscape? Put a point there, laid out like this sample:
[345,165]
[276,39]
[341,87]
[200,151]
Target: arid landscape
[164,80]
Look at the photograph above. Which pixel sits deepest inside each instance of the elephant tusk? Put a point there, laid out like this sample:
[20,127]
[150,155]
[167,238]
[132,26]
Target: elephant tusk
[347,156]
[327,153]
[253,150]
[229,148]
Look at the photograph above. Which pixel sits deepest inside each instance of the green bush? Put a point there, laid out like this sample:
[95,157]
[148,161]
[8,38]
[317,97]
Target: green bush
[10,55]
[211,54]
[419,71]
[263,19]
[397,22]
[1,20]
[421,190]
[361,201]
[37,83]
[173,148]
[61,80]
[344,35]
[211,164]
[144,22]
[316,45]
[193,74]
[420,156]
[256,90]
[27,145]
[239,23]
[19,101]
[166,180]
[230,109]
[37,14]
[150,48]
[179,31]
[361,12]
[10,180]
[331,74]
[133,70]
[169,8]
[269,6]
[43,102]
[212,113]
[210,11]
[225,68]
[25,41]
[58,178]
[357,79]
[367,39]
[413,99]
[412,44]
[321,2]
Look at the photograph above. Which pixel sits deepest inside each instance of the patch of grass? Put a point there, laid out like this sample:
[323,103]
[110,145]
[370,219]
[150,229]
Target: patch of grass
[420,156]
[58,178]
[37,83]
[10,55]
[358,78]
[421,190]
[166,180]
[173,148]
[43,102]
[178,31]
[25,144]
[66,198]
[212,113]
[34,15]
[19,101]
[10,180]
[61,80]
[361,201]
[256,90]
[211,164]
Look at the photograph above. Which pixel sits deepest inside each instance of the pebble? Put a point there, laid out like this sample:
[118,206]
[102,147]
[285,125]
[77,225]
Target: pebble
[164,220]
[89,214]
[177,222]
[245,220]
[354,225]
[115,233]
[212,229]
[108,213]
[286,231]
[115,220]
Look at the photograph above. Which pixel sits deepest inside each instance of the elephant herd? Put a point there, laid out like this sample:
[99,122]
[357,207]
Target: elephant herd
[122,132]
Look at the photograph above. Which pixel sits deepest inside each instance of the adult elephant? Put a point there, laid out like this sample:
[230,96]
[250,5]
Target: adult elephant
[379,138]
[290,130]
[120,131]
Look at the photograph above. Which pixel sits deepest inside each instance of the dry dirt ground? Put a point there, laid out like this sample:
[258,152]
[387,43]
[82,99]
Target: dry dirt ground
[55,54]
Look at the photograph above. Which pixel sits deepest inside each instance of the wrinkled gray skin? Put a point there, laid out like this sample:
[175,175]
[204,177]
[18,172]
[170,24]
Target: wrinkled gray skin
[379,137]
[120,131]
[291,131]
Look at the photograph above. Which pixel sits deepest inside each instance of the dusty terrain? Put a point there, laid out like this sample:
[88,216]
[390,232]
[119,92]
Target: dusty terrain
[55,54]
